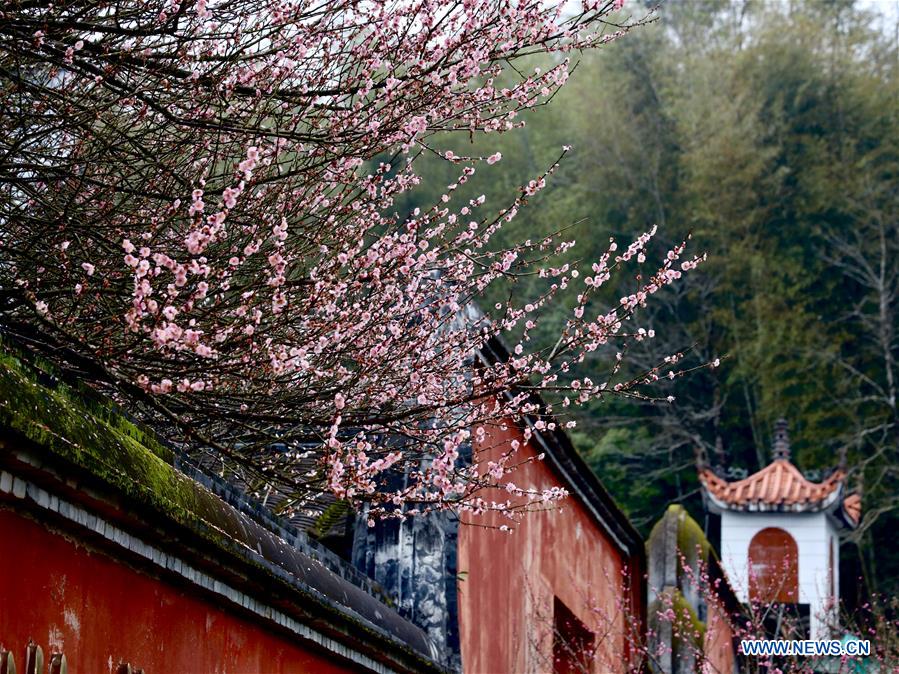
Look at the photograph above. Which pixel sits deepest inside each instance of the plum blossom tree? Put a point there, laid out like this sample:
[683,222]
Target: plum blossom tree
[197,218]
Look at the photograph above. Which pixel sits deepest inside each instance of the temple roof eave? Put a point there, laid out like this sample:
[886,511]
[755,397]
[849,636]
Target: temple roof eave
[718,505]
[781,488]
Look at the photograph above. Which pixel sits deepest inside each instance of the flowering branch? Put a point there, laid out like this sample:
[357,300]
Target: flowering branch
[197,202]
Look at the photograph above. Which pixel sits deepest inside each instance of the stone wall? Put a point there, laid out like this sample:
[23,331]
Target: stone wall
[413,562]
[678,556]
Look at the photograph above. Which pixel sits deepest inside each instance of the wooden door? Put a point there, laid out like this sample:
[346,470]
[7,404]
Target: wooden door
[773,567]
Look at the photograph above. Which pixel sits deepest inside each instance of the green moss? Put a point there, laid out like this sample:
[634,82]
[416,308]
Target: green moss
[333,514]
[691,541]
[685,612]
[76,427]
[91,409]
[685,617]
[690,538]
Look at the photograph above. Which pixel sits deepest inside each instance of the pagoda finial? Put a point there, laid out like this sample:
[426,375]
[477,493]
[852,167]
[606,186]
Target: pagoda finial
[781,440]
[719,455]
[701,457]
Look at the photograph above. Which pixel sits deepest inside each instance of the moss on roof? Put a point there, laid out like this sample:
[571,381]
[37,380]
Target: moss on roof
[691,541]
[94,436]
[72,424]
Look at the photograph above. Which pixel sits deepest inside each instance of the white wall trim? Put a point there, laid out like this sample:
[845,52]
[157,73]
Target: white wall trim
[814,534]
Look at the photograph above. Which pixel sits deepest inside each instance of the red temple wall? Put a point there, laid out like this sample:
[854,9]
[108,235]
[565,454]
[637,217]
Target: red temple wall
[718,645]
[99,611]
[509,581]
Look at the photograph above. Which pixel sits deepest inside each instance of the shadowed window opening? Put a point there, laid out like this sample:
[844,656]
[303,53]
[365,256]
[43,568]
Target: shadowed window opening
[572,642]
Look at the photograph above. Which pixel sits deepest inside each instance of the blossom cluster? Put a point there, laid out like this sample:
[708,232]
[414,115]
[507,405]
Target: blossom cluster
[201,202]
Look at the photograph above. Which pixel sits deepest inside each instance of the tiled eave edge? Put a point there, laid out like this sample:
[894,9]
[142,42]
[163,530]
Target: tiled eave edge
[830,504]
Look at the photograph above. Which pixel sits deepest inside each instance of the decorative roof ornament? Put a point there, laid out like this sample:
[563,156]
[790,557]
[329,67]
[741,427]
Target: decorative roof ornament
[781,448]
[779,486]
[852,504]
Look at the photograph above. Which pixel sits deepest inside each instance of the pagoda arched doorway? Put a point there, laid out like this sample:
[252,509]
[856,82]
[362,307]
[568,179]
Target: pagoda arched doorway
[773,567]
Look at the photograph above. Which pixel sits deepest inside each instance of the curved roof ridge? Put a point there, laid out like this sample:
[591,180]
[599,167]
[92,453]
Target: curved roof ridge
[780,483]
[852,506]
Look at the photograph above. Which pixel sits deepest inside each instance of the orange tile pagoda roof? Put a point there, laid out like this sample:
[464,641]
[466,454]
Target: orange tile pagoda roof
[778,484]
[852,505]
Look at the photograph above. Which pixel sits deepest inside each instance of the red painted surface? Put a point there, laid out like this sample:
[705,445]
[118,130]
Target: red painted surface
[99,611]
[774,567]
[511,581]
[718,646]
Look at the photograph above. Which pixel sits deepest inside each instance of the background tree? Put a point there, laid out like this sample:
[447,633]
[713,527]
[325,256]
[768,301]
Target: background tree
[769,131]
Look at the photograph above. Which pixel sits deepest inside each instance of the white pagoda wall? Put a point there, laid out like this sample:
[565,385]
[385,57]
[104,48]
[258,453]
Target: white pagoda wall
[813,533]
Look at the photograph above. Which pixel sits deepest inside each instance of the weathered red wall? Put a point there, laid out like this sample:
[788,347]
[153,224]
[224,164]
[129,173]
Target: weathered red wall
[99,612]
[509,580]
[719,641]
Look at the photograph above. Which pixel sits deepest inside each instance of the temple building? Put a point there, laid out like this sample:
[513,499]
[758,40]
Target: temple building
[780,536]
[120,552]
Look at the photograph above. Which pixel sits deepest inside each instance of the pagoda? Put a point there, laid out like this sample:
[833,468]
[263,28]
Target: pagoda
[780,534]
